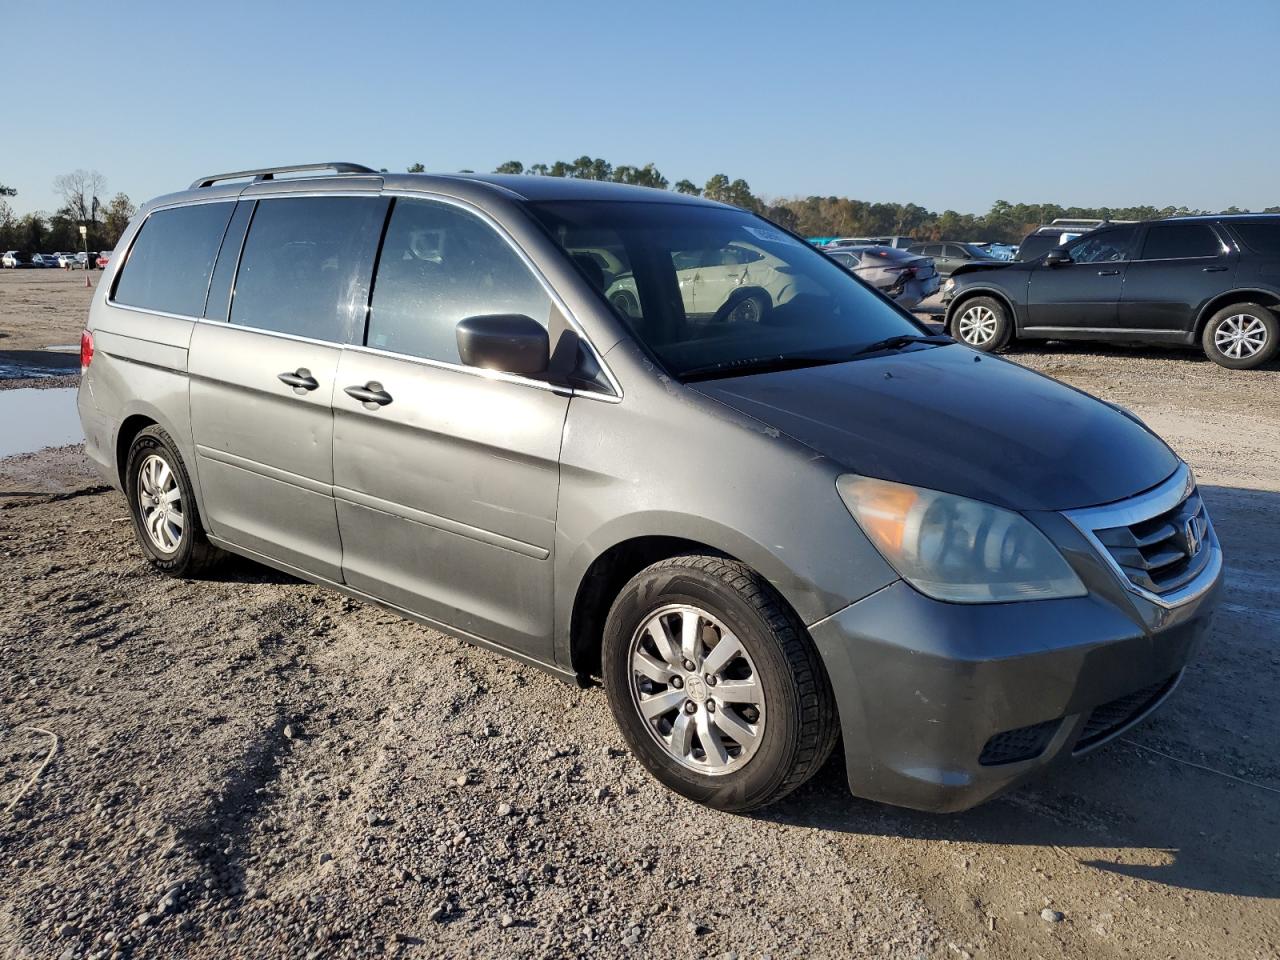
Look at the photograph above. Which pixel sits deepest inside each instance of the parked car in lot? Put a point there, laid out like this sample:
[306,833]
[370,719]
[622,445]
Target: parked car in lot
[43,260]
[102,260]
[897,242]
[947,255]
[906,277]
[66,260]
[997,251]
[17,260]
[1212,281]
[765,536]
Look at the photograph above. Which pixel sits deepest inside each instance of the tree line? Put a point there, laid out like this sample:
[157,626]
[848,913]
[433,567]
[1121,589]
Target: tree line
[812,216]
[832,216]
[82,193]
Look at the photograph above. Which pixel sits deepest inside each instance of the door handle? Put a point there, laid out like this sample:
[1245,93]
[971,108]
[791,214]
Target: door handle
[301,380]
[1214,269]
[371,395]
[1108,273]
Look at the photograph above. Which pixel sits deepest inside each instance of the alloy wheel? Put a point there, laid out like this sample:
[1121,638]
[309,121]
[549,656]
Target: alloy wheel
[1240,336]
[978,325]
[160,503]
[696,689]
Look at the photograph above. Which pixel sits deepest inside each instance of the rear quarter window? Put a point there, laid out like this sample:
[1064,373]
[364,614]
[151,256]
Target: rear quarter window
[1261,238]
[172,259]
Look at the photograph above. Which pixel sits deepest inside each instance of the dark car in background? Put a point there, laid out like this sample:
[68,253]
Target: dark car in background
[1212,281]
[948,254]
[906,277]
[17,260]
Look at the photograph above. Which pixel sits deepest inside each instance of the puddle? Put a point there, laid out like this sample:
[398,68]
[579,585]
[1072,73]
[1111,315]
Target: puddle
[34,419]
[21,364]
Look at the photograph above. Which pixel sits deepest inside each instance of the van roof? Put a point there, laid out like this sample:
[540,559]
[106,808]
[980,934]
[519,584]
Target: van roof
[524,187]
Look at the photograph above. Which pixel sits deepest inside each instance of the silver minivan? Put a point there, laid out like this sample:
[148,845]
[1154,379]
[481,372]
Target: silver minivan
[760,502]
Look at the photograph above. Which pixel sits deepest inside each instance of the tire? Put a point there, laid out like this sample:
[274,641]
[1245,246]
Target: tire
[751,306]
[982,323]
[1242,336]
[170,533]
[780,689]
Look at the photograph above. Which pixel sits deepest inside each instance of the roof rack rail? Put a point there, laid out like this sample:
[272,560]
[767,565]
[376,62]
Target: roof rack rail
[269,173]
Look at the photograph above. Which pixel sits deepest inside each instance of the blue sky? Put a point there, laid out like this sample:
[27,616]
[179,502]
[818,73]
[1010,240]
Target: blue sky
[951,104]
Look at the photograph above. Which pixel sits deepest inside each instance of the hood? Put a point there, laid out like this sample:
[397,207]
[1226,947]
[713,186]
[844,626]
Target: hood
[973,266]
[950,419]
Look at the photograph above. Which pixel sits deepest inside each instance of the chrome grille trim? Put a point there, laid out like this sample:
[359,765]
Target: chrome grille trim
[1155,546]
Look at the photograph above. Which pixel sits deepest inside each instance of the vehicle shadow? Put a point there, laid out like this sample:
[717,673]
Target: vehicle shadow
[1120,351]
[1190,799]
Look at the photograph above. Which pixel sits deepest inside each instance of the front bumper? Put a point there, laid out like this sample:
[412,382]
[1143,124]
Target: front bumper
[925,687]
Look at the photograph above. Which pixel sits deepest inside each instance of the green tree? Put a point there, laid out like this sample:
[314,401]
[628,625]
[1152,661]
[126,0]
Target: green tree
[7,191]
[416,168]
[689,187]
[117,216]
[511,166]
[646,176]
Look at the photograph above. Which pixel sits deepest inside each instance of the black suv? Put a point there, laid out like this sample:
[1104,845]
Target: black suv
[1185,280]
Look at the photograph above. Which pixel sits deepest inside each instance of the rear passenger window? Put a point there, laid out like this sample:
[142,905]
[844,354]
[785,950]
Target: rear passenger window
[1175,241]
[172,258]
[306,266]
[440,265]
[1261,238]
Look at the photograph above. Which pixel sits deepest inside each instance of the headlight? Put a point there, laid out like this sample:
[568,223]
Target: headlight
[949,283]
[956,549]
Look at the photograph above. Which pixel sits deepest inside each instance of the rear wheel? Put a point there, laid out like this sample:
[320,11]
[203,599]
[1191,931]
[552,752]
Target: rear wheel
[982,323]
[715,684]
[166,520]
[1241,336]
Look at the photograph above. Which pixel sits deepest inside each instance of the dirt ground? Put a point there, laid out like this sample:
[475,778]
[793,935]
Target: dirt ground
[249,766]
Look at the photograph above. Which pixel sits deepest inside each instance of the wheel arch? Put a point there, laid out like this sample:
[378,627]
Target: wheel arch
[603,578]
[1263,297]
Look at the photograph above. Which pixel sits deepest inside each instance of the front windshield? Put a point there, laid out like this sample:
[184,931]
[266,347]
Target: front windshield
[707,289]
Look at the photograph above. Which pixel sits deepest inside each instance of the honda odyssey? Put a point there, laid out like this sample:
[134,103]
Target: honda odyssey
[766,530]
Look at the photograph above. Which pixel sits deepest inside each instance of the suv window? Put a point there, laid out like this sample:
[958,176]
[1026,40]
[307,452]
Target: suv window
[171,259]
[1175,241]
[1105,246]
[1261,238]
[440,265]
[956,251]
[306,265]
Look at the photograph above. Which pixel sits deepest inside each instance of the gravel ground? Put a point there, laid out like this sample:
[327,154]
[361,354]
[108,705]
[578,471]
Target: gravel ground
[249,766]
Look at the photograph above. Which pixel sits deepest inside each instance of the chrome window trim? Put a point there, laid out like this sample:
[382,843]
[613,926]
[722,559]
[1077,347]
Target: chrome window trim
[1145,506]
[555,298]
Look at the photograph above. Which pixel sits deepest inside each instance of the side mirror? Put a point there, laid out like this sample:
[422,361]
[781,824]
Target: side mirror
[1056,257]
[512,343]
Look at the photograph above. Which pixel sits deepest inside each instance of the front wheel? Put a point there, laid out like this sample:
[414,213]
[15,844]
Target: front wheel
[1242,336]
[715,684]
[982,323]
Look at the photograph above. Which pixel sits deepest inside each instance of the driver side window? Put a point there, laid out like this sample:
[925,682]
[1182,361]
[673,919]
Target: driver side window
[440,265]
[1105,246]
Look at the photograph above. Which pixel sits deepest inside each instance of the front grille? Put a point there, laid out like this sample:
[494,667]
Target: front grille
[1024,743]
[1106,720]
[1164,552]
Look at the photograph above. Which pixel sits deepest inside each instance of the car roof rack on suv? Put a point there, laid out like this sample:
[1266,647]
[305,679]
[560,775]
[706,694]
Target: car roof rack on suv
[269,173]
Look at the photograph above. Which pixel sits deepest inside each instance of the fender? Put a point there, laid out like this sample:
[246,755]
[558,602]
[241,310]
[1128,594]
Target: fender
[1212,305]
[986,290]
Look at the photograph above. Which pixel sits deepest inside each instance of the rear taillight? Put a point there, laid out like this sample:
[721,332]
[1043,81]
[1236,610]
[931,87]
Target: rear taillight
[86,350]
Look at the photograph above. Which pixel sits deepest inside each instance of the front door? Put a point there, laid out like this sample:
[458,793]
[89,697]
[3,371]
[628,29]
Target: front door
[447,481]
[1083,294]
[262,383]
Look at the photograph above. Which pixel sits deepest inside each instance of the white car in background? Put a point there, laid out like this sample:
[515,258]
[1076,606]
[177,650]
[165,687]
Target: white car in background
[66,259]
[738,283]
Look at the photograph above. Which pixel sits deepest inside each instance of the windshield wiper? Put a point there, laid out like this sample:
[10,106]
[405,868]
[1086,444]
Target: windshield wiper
[900,341]
[738,368]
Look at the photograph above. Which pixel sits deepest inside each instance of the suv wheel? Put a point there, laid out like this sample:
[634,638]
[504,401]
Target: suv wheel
[982,323]
[1241,336]
[715,683]
[163,507]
